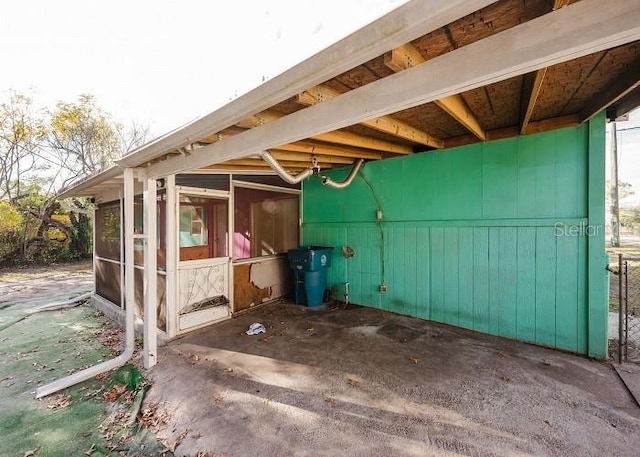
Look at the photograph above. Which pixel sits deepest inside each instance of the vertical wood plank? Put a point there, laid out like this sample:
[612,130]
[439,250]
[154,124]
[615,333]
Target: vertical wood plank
[567,293]
[451,254]
[481,279]
[597,282]
[545,286]
[354,239]
[411,271]
[508,280]
[423,272]
[496,310]
[526,284]
[465,277]
[583,304]
[437,274]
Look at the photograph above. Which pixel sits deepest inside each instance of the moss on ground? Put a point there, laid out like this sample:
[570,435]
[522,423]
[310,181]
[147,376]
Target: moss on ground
[78,421]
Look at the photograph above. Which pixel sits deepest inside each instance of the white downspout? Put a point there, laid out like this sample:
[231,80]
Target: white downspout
[95,370]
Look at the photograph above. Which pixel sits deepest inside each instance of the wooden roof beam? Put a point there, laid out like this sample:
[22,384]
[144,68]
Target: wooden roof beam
[259,163]
[408,56]
[574,31]
[532,85]
[279,154]
[622,86]
[543,125]
[630,102]
[386,124]
[315,148]
[337,136]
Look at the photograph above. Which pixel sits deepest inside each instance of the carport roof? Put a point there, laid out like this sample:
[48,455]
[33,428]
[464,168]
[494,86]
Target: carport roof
[428,75]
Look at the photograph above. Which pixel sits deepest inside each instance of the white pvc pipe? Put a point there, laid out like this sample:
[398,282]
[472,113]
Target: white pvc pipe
[62,304]
[95,370]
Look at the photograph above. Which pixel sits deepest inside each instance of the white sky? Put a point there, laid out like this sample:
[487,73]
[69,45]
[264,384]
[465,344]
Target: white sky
[164,62]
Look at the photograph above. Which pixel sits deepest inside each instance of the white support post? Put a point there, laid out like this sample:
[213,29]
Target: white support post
[130,292]
[150,348]
[171,245]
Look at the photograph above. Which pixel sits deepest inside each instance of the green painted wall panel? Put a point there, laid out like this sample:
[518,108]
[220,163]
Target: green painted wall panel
[507,272]
[526,285]
[481,279]
[470,236]
[567,292]
[466,270]
[495,306]
[437,274]
[423,286]
[545,287]
[451,270]
[582,296]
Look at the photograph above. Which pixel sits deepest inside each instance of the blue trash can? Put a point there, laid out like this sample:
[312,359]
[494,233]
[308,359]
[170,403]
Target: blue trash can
[310,265]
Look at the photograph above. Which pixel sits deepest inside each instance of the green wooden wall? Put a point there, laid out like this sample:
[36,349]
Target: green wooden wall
[503,237]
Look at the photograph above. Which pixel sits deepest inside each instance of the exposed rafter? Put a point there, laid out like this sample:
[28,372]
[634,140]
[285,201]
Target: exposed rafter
[386,124]
[405,23]
[627,103]
[337,137]
[279,154]
[574,31]
[533,84]
[408,56]
[543,125]
[557,4]
[315,148]
[623,85]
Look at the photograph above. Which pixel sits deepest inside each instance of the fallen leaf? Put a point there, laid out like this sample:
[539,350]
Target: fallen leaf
[115,392]
[331,401]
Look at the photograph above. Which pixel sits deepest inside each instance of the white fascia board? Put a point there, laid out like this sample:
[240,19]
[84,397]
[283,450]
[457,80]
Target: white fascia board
[83,187]
[574,31]
[402,25]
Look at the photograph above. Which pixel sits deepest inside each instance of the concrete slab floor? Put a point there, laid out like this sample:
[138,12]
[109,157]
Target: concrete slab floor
[360,381]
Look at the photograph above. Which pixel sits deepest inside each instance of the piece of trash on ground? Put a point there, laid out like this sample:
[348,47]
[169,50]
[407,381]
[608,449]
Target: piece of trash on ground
[256,328]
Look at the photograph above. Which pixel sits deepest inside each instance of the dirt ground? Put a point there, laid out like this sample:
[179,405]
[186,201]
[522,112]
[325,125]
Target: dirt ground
[360,381]
[337,381]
